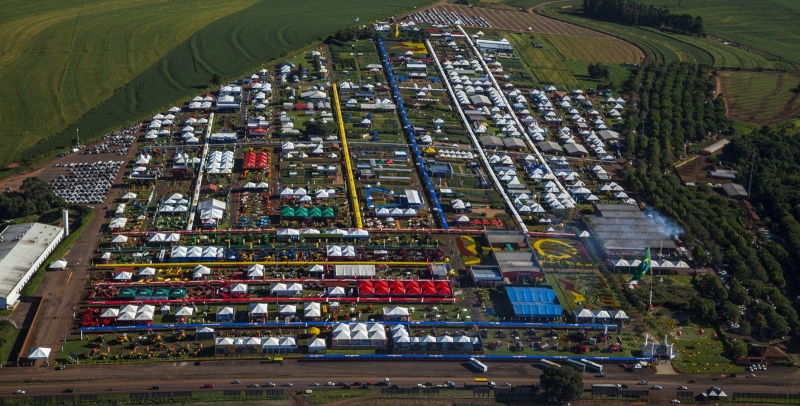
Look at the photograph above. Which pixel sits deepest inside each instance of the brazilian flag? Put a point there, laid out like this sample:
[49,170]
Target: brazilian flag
[644,267]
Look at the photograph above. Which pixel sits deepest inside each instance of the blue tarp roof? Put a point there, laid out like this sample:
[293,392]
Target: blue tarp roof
[534,302]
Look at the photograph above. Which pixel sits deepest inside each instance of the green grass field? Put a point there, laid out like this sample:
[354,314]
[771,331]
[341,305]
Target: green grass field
[769,26]
[761,96]
[663,46]
[98,65]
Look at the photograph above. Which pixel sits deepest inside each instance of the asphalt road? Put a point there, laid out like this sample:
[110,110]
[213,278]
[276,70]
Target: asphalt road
[175,376]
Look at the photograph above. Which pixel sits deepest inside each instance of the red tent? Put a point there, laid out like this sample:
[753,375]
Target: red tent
[366,288]
[428,288]
[398,288]
[381,288]
[443,288]
[412,288]
[259,131]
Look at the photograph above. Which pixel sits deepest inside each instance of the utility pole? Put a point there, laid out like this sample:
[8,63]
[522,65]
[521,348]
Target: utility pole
[77,134]
[752,162]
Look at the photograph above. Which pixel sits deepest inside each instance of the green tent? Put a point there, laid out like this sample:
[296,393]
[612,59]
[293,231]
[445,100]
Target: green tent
[287,212]
[126,293]
[327,212]
[315,212]
[161,292]
[144,292]
[300,212]
[176,293]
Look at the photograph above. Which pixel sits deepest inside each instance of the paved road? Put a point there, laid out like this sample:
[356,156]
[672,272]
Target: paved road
[187,376]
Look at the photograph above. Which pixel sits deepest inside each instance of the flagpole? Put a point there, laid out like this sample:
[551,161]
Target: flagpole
[651,282]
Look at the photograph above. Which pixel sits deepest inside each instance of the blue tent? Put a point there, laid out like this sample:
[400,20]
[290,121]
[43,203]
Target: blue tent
[534,302]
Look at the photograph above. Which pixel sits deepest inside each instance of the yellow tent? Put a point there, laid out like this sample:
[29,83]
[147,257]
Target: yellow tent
[313,331]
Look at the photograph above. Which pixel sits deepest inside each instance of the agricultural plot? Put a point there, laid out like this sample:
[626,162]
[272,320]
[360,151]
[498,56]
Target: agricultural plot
[546,63]
[173,60]
[607,51]
[767,26]
[760,96]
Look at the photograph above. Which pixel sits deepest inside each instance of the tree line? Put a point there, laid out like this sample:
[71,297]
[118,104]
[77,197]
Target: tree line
[633,13]
[33,197]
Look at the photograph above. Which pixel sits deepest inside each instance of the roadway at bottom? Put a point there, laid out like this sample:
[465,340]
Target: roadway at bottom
[186,376]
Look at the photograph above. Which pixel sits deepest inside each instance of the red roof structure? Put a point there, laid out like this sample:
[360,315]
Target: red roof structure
[397,288]
[366,288]
[412,288]
[428,288]
[381,288]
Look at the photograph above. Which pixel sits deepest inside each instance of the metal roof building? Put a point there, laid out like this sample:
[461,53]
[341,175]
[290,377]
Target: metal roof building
[534,302]
[23,249]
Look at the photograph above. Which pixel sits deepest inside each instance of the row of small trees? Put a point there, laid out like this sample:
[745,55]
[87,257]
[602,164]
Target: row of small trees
[633,13]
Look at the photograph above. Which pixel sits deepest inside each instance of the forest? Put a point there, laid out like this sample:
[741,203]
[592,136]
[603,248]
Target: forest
[776,181]
[675,105]
[632,13]
[33,197]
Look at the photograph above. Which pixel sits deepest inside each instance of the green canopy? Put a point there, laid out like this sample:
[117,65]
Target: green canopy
[315,212]
[287,212]
[300,212]
[177,293]
[144,292]
[126,293]
[327,212]
[160,292]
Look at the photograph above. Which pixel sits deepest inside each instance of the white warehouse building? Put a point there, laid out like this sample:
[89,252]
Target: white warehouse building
[23,249]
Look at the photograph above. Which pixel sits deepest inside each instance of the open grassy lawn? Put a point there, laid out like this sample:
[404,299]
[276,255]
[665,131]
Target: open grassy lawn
[770,26]
[99,65]
[10,342]
[761,96]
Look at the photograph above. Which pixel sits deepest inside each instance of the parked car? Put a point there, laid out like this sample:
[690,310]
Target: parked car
[61,367]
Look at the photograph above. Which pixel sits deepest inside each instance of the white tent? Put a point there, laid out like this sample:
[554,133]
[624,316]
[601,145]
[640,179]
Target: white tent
[60,264]
[39,353]
[255,271]
[123,276]
[184,311]
[147,271]
[119,239]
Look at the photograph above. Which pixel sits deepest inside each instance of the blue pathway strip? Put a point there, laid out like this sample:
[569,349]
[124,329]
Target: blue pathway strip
[411,135]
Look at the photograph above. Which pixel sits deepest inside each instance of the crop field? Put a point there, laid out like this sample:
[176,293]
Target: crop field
[546,64]
[564,60]
[97,66]
[770,26]
[515,20]
[760,96]
[602,50]
[663,46]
